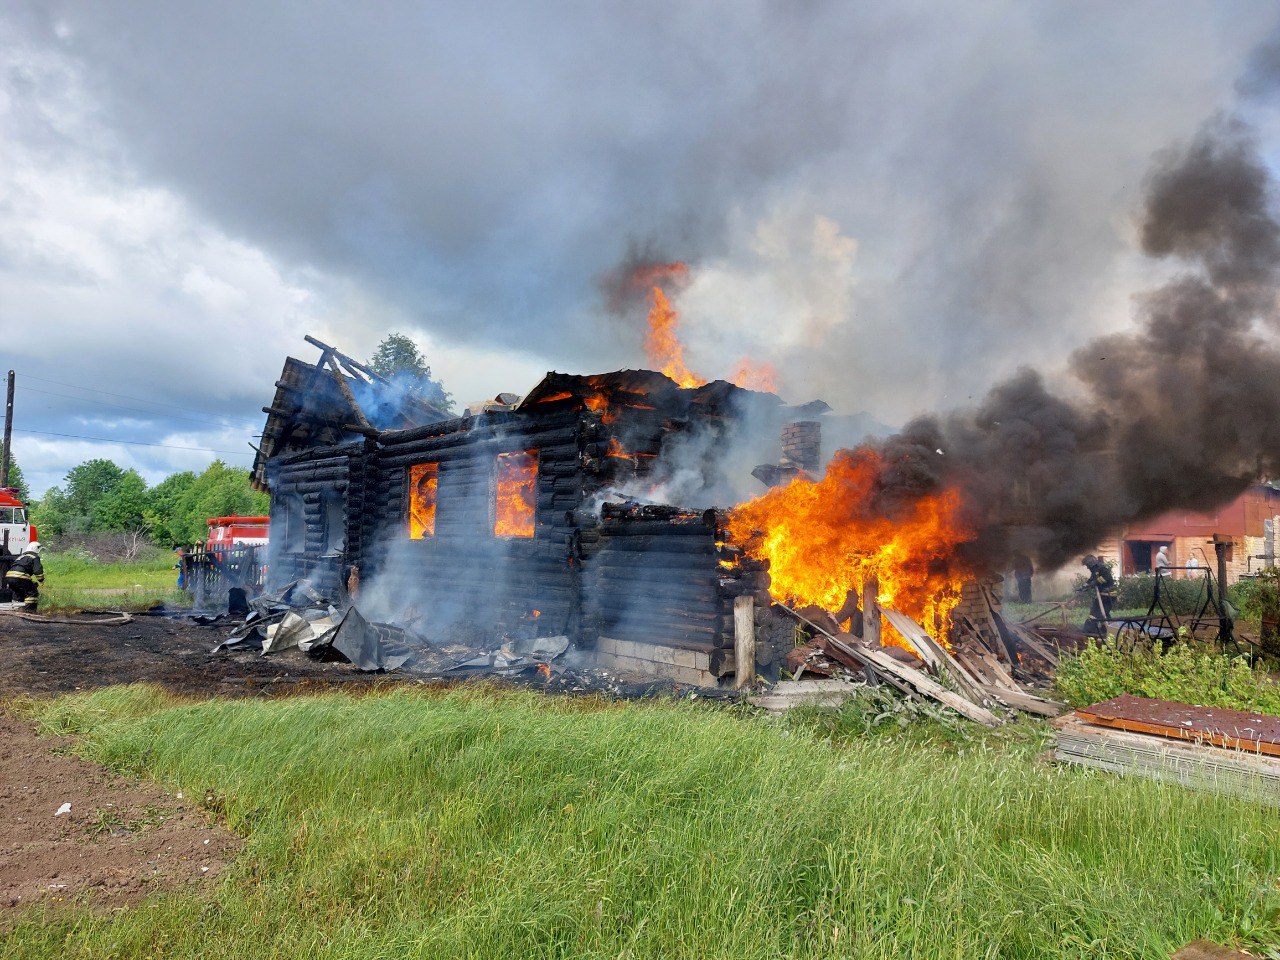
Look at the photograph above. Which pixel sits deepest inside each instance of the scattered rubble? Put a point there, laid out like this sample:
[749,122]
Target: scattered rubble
[971,674]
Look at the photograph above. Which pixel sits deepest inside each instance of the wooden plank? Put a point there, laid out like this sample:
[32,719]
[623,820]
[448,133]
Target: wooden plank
[1026,636]
[915,635]
[744,640]
[1026,702]
[919,638]
[786,694]
[1001,649]
[871,611]
[930,688]
[1001,675]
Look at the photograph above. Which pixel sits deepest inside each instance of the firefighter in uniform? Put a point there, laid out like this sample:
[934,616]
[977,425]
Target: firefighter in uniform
[1102,585]
[25,576]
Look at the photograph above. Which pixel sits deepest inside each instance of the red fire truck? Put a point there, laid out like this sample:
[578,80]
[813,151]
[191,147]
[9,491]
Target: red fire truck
[227,532]
[15,531]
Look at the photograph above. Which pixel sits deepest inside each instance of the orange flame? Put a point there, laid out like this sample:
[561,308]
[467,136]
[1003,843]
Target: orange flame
[662,343]
[423,484]
[545,670]
[616,449]
[823,539]
[755,376]
[515,499]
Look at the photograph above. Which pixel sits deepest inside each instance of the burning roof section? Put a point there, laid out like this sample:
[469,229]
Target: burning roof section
[648,389]
[334,400]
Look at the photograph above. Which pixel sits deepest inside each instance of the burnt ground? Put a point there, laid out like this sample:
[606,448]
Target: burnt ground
[64,654]
[74,653]
[119,841]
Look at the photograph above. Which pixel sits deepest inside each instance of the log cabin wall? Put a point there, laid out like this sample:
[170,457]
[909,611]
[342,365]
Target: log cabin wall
[642,586]
[462,571]
[317,504]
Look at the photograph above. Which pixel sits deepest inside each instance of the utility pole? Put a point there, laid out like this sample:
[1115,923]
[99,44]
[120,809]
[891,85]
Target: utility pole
[8,433]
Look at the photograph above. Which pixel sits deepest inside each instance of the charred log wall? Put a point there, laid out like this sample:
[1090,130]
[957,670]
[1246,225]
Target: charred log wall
[463,572]
[317,506]
[663,577]
[649,575]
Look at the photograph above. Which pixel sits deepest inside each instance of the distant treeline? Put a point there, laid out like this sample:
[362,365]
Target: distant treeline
[100,497]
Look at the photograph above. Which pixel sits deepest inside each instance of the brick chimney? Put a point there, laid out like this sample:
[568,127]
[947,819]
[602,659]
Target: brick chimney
[802,445]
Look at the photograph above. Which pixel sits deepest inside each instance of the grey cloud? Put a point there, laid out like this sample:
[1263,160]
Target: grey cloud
[485,165]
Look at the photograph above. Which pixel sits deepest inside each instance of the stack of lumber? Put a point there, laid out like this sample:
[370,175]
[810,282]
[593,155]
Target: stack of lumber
[937,674]
[1207,748]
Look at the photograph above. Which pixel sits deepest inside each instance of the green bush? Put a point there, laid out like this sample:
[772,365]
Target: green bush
[1184,672]
[1183,597]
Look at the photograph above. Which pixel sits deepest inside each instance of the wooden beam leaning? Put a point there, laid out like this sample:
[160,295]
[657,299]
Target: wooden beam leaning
[919,638]
[931,688]
[345,389]
[899,674]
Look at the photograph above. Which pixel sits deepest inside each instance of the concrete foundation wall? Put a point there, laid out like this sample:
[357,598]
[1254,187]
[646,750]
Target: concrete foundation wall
[655,660]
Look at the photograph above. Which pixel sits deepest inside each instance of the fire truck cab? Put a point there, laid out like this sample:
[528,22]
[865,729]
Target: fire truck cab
[228,532]
[15,532]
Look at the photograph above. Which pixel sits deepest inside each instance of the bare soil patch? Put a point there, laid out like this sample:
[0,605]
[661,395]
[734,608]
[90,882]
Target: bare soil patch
[49,658]
[120,840]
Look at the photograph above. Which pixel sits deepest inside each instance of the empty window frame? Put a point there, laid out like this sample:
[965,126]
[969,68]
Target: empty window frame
[515,494]
[424,482]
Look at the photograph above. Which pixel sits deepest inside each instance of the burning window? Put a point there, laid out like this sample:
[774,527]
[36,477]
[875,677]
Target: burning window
[423,483]
[514,497]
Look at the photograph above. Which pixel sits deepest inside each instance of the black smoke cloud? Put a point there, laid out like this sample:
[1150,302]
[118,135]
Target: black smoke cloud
[1182,413]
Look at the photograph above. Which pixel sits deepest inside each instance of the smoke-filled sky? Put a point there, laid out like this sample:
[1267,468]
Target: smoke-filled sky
[896,203]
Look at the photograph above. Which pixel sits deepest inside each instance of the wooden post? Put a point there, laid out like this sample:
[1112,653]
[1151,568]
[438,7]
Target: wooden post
[871,611]
[8,433]
[744,641]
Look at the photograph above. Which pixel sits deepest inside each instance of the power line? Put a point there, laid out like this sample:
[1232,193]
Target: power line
[107,393]
[116,406]
[134,443]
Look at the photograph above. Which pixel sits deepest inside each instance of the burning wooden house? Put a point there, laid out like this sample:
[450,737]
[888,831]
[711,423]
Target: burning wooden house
[528,516]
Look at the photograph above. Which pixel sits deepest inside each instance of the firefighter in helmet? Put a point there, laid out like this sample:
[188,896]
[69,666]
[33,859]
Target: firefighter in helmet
[25,576]
[1102,590]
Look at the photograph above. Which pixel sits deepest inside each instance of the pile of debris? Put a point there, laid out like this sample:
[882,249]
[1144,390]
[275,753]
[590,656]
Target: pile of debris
[986,663]
[1207,748]
[298,617]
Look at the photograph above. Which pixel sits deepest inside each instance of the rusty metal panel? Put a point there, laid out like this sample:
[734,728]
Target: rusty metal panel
[1237,729]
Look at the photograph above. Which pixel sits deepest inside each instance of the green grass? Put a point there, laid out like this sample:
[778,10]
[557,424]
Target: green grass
[74,582]
[1188,672]
[479,824]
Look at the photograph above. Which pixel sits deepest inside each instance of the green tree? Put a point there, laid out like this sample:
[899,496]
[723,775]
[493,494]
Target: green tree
[124,506]
[17,481]
[162,505]
[89,483]
[399,360]
[220,490]
[70,508]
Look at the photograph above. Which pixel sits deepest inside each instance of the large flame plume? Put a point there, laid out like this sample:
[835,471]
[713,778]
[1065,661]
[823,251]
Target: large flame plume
[824,538]
[662,343]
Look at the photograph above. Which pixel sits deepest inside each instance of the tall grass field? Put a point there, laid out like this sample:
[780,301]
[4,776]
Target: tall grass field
[481,824]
